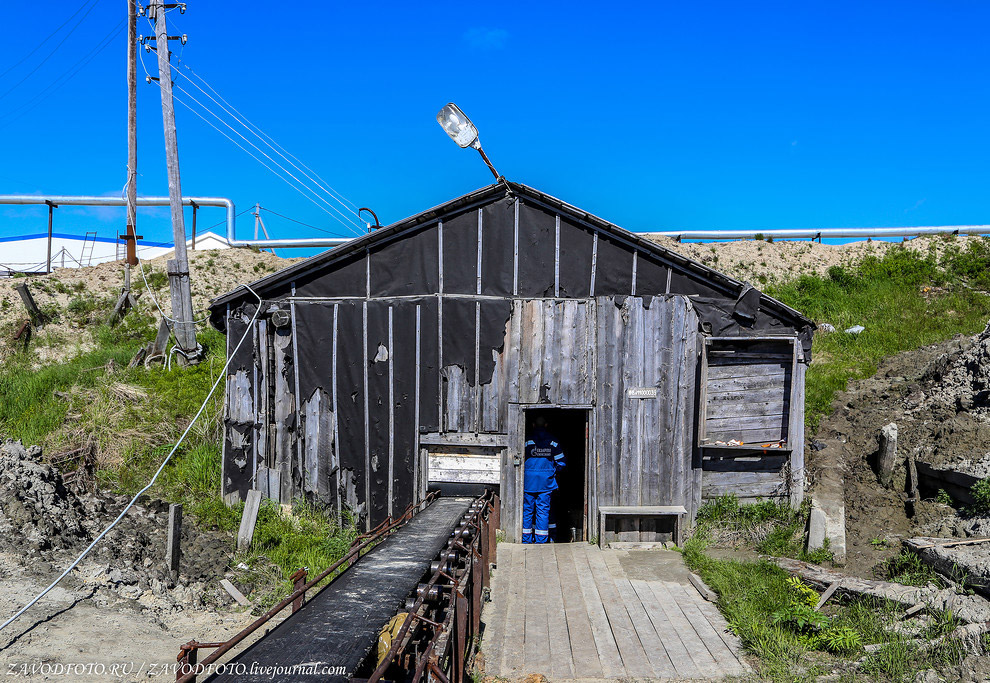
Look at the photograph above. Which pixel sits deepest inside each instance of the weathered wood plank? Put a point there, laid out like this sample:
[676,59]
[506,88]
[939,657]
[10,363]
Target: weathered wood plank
[514,350]
[608,651]
[795,437]
[510,488]
[495,614]
[284,413]
[768,371]
[653,646]
[634,657]
[514,643]
[696,649]
[561,662]
[669,635]
[537,645]
[739,423]
[690,606]
[584,654]
[739,406]
[771,384]
[742,484]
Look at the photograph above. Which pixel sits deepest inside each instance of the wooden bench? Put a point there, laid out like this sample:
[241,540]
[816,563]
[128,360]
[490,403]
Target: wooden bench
[678,512]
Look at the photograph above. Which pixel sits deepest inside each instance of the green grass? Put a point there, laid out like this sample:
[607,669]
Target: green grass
[768,527]
[135,416]
[905,299]
[771,613]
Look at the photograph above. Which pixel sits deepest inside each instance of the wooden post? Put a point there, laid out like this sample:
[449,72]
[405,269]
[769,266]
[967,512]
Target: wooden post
[172,546]
[131,237]
[248,520]
[912,481]
[51,209]
[887,455]
[37,317]
[195,208]
[178,267]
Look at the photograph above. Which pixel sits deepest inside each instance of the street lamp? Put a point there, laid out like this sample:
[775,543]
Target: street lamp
[460,129]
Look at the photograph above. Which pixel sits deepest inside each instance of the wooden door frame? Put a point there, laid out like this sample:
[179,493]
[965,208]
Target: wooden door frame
[517,440]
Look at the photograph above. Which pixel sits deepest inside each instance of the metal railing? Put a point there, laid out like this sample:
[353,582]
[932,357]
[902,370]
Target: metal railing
[189,668]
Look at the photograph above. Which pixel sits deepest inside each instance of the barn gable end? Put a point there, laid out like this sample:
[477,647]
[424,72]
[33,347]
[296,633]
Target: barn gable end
[425,347]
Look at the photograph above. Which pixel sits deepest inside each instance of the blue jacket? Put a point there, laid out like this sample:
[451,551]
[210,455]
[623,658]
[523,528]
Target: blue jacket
[544,458]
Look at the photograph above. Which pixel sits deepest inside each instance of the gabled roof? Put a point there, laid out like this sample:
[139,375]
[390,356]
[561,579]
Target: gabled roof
[482,196]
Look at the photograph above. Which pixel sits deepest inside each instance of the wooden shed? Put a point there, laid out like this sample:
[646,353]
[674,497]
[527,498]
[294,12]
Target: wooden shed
[419,355]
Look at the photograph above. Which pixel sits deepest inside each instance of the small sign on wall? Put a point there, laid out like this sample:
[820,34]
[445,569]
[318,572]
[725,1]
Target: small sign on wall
[642,392]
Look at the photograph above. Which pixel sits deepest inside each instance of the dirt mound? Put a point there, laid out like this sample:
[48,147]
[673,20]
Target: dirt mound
[963,378]
[37,511]
[43,523]
[938,397]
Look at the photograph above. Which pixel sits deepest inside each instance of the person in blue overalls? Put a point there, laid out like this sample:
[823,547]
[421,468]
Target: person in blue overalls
[544,458]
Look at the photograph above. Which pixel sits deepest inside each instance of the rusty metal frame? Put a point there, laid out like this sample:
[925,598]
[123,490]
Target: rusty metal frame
[444,644]
[189,668]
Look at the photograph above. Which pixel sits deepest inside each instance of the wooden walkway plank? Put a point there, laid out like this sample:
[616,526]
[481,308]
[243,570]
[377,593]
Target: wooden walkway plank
[679,657]
[718,622]
[561,663]
[495,613]
[536,657]
[584,654]
[608,651]
[692,642]
[514,639]
[690,606]
[655,652]
[634,658]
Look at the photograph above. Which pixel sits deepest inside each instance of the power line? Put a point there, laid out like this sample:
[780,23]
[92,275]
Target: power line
[47,38]
[352,228]
[66,76]
[54,50]
[265,139]
[263,153]
[281,151]
[275,213]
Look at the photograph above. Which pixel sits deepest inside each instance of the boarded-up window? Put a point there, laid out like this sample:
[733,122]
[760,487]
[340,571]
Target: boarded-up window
[747,392]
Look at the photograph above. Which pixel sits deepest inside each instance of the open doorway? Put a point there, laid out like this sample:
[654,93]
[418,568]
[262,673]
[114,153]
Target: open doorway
[569,427]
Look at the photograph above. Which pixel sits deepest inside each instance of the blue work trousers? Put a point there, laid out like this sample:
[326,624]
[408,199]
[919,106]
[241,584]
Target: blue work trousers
[536,517]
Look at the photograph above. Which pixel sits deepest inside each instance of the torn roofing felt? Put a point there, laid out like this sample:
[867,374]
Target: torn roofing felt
[409,268]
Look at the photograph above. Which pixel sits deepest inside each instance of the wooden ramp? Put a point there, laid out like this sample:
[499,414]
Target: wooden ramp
[574,611]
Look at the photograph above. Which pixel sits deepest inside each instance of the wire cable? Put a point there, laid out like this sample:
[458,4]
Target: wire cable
[353,229]
[308,225]
[344,218]
[268,140]
[47,38]
[68,75]
[261,135]
[220,377]
[54,50]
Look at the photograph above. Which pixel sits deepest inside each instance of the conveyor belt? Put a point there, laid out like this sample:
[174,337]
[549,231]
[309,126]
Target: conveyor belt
[339,625]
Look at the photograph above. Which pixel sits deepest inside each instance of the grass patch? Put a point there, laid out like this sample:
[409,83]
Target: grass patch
[135,416]
[769,527]
[906,300]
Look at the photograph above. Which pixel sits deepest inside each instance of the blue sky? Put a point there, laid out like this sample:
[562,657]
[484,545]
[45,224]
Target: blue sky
[655,115]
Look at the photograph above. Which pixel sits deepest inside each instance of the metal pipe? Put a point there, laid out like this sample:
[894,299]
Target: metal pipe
[221,202]
[822,233]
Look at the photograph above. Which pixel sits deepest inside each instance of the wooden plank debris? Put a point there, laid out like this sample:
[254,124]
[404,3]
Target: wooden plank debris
[829,592]
[888,454]
[234,593]
[703,589]
[172,546]
[248,520]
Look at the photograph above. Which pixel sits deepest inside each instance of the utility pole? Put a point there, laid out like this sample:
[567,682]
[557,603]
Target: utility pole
[178,267]
[130,239]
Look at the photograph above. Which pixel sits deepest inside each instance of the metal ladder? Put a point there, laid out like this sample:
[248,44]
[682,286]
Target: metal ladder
[89,243]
